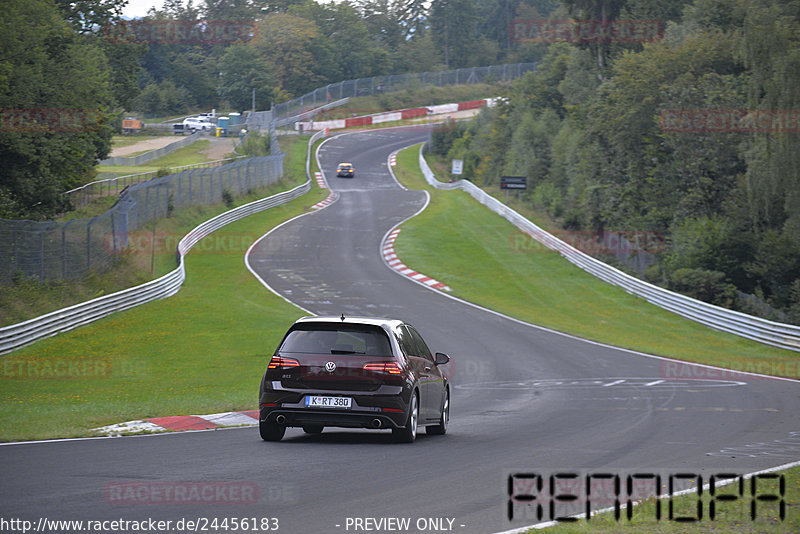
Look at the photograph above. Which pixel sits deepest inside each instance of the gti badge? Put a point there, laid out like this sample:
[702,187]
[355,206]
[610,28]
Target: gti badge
[330,367]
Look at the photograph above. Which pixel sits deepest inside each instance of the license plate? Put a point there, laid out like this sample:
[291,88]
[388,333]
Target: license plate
[316,401]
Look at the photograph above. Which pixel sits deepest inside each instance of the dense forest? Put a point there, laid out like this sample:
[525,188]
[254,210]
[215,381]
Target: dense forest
[606,129]
[693,138]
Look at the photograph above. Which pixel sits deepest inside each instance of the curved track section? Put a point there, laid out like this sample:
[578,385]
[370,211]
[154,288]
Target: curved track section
[524,398]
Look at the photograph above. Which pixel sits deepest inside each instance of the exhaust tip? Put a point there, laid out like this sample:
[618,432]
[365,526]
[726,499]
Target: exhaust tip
[376,423]
[281,419]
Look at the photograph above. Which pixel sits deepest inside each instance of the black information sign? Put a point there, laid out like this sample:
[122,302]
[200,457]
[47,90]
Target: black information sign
[513,182]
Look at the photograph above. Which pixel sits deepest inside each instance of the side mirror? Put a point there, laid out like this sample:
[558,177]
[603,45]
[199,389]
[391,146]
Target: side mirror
[441,358]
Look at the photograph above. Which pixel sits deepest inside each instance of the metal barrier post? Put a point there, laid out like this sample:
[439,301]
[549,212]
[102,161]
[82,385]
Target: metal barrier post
[89,244]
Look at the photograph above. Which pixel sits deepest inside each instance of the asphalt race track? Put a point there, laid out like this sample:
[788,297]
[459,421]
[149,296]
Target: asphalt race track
[524,399]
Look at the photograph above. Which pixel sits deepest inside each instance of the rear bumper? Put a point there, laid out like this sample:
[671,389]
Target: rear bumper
[349,419]
[388,405]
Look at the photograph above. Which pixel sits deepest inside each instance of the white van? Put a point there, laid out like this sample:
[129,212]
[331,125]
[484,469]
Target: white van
[194,124]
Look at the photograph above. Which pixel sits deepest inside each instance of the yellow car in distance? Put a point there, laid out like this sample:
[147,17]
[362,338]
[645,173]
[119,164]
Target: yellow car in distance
[345,170]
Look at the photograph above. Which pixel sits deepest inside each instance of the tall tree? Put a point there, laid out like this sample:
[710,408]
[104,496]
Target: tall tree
[91,16]
[363,57]
[599,12]
[285,41]
[94,19]
[453,26]
[55,95]
[243,75]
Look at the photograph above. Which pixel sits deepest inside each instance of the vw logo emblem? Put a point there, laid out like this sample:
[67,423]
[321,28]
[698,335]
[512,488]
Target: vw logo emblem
[330,367]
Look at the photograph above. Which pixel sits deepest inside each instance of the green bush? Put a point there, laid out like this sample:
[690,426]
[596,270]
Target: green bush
[227,198]
[255,145]
[705,285]
[444,136]
[546,195]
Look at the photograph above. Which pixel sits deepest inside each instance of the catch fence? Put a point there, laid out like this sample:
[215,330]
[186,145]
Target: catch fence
[113,185]
[286,112]
[72,249]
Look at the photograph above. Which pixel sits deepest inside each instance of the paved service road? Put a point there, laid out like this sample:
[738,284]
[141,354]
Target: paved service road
[524,399]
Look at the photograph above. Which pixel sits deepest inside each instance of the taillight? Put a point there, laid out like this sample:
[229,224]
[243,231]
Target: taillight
[282,363]
[390,367]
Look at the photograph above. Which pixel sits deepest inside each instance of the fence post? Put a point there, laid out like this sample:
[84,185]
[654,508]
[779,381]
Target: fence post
[89,244]
[14,258]
[191,185]
[64,250]
[41,254]
[113,235]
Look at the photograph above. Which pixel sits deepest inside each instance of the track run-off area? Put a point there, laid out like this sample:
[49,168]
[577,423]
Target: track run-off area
[525,399]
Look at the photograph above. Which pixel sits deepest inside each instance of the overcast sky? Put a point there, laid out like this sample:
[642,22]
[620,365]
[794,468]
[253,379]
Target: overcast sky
[138,8]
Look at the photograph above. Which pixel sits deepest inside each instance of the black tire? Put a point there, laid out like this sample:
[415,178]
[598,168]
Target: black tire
[271,431]
[408,433]
[441,428]
[312,428]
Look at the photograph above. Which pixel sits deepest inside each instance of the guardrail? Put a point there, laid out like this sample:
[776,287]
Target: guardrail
[781,335]
[21,334]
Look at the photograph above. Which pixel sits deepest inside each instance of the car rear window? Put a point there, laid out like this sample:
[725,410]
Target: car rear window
[336,339]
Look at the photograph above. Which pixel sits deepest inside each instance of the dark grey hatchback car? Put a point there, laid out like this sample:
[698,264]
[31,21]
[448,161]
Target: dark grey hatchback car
[354,372]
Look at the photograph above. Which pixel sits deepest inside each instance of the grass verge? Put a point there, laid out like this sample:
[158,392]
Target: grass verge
[200,351]
[537,285]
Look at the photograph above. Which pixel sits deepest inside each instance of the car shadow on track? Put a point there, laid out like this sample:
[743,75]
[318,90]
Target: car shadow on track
[353,438]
